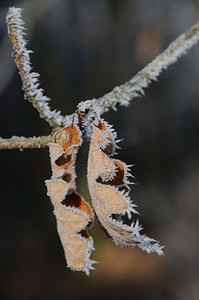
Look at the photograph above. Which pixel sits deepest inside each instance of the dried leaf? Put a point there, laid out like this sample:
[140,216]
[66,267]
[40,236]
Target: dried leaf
[74,215]
[109,188]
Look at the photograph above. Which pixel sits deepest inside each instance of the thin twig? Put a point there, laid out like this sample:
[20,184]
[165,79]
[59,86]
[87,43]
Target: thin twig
[17,142]
[29,79]
[123,94]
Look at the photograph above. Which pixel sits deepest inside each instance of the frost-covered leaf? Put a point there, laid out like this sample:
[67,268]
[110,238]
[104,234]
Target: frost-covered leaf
[109,188]
[74,215]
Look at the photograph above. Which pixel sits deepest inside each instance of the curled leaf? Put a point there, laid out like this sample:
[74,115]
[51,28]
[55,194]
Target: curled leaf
[109,188]
[74,215]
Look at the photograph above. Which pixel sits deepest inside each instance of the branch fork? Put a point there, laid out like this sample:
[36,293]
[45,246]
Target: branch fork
[120,95]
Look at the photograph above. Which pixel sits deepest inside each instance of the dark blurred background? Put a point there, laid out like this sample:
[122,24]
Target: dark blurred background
[82,50]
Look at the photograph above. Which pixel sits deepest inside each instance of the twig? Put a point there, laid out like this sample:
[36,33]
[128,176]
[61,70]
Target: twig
[29,79]
[123,94]
[17,142]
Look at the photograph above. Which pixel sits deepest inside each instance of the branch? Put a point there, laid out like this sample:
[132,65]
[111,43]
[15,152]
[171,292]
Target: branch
[33,93]
[123,94]
[16,142]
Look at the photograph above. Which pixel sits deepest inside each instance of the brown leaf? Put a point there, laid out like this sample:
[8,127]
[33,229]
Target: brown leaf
[106,177]
[74,215]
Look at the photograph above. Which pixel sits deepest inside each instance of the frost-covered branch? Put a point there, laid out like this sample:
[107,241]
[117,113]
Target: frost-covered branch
[123,94]
[30,79]
[17,142]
